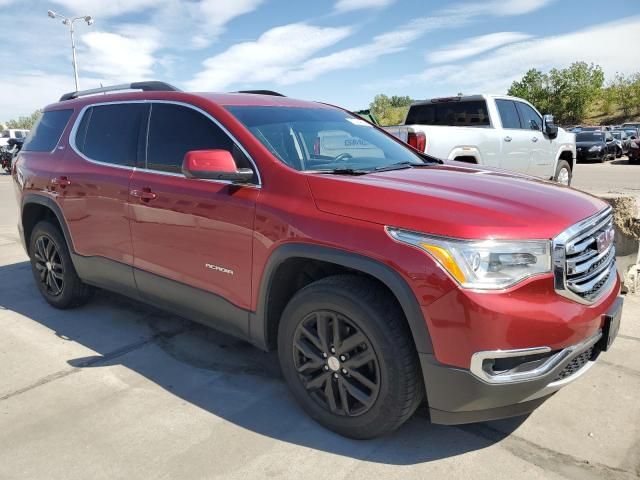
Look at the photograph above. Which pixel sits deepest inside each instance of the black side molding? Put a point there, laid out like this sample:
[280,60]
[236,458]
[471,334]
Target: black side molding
[262,92]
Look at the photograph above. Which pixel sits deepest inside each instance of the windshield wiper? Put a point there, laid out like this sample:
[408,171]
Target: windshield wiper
[402,165]
[344,171]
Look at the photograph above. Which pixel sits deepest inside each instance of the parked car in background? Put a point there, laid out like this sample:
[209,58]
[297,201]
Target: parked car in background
[594,128]
[622,141]
[632,132]
[489,130]
[626,125]
[634,150]
[387,281]
[595,146]
[9,133]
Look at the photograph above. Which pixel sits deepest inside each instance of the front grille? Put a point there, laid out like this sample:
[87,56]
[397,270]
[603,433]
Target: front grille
[574,365]
[584,258]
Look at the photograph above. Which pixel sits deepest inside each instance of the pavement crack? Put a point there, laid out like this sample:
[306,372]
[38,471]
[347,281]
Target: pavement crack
[95,361]
[547,459]
[628,337]
[621,368]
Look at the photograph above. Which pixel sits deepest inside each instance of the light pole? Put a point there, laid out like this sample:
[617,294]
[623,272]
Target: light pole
[69,22]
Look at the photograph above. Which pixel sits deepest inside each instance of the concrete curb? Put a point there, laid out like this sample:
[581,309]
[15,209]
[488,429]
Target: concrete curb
[627,241]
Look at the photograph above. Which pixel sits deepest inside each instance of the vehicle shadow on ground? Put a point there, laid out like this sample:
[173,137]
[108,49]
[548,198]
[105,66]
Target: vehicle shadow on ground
[226,377]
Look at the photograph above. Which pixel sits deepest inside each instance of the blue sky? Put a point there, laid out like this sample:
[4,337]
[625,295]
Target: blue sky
[337,51]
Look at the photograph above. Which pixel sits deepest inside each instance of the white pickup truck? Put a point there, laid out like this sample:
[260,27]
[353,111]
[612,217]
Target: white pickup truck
[492,130]
[10,133]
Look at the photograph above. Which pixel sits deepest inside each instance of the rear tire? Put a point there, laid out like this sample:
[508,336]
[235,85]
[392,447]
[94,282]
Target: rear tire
[53,269]
[563,174]
[357,401]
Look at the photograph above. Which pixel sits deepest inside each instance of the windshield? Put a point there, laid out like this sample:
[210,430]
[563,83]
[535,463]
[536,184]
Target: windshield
[5,134]
[323,139]
[617,135]
[589,137]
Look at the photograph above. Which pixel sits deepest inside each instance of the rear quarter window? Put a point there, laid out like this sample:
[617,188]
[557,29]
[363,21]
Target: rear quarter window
[46,132]
[451,114]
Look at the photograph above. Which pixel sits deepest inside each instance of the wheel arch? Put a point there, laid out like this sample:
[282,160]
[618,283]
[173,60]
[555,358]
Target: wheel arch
[36,208]
[273,297]
[566,155]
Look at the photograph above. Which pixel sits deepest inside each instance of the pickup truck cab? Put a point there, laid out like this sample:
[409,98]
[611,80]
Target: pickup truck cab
[491,130]
[385,279]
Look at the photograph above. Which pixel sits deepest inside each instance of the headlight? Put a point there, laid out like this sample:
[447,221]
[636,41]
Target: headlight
[482,264]
[595,148]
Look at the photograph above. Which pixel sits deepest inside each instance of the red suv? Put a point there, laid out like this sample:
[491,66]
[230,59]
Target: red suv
[383,277]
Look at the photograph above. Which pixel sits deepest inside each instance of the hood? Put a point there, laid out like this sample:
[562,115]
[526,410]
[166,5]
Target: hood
[455,201]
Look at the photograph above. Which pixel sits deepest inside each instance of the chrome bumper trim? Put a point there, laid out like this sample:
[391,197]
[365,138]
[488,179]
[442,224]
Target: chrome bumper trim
[566,354]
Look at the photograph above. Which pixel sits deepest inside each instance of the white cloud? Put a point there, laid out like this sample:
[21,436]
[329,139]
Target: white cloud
[350,5]
[104,9]
[397,40]
[23,92]
[494,72]
[124,56]
[215,14]
[498,7]
[268,58]
[474,46]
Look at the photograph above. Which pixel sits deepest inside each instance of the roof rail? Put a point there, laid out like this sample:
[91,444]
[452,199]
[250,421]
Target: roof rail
[262,92]
[151,86]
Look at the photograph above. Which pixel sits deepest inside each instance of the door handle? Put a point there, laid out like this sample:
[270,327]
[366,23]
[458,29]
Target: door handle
[507,138]
[61,182]
[145,194]
[534,139]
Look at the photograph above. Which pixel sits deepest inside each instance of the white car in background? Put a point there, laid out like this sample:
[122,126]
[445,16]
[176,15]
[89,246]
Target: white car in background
[491,130]
[10,133]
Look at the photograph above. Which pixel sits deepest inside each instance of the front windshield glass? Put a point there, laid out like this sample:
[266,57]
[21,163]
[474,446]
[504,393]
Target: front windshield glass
[589,137]
[5,134]
[322,139]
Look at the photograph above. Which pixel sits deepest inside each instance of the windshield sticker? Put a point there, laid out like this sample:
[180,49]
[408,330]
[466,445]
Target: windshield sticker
[358,121]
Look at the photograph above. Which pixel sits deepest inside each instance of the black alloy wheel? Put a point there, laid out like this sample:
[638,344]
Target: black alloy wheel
[336,363]
[48,263]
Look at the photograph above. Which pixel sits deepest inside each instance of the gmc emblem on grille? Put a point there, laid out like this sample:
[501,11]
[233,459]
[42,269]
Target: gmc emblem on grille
[604,240]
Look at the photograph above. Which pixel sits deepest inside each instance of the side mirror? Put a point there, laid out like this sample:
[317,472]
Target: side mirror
[548,127]
[214,165]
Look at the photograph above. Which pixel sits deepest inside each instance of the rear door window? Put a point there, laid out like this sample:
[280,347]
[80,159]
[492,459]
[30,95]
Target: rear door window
[451,113]
[508,114]
[111,133]
[46,132]
[529,117]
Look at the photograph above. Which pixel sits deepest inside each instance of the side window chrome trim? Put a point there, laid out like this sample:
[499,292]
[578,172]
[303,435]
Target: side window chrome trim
[78,120]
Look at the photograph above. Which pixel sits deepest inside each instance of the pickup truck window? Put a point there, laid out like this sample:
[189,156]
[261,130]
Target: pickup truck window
[322,139]
[508,114]
[453,113]
[529,117]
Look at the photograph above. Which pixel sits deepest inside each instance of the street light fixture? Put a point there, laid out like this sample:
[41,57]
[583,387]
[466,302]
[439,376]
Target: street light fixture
[69,22]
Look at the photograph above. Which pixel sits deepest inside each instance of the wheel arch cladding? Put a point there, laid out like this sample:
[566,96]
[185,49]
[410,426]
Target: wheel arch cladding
[36,208]
[293,265]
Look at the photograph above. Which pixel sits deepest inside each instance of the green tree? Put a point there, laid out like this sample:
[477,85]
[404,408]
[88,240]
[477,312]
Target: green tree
[534,87]
[390,110]
[24,122]
[566,93]
[624,93]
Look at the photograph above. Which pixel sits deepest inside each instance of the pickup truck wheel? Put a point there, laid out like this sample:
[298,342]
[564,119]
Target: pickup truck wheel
[563,173]
[53,270]
[348,356]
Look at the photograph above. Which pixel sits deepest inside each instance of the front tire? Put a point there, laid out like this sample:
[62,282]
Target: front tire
[348,356]
[53,269]
[563,173]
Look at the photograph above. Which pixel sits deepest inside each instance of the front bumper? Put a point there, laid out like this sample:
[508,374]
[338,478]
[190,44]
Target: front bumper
[457,396]
[589,156]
